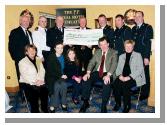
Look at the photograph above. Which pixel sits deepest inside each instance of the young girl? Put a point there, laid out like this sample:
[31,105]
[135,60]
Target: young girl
[55,78]
[73,72]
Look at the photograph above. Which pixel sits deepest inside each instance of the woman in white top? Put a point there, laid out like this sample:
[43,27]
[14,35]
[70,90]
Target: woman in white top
[32,79]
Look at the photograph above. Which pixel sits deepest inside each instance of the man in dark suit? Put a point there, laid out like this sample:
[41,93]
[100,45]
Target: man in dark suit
[18,39]
[142,34]
[84,53]
[108,31]
[101,68]
[56,33]
[121,34]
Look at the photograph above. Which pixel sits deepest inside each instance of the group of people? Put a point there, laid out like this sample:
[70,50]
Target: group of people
[45,67]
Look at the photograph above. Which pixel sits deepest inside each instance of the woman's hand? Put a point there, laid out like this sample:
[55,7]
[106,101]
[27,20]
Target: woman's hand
[78,80]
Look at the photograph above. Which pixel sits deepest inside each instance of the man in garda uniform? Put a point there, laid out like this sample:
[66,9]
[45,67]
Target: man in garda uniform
[142,34]
[121,34]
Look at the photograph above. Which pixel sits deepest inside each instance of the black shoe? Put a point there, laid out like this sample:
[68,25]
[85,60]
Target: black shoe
[116,107]
[84,107]
[103,109]
[126,109]
[64,107]
[52,110]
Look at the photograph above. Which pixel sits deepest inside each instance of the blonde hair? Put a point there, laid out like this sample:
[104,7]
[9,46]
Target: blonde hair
[129,42]
[30,46]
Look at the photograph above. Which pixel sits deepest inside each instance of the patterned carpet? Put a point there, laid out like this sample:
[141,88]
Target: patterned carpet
[95,104]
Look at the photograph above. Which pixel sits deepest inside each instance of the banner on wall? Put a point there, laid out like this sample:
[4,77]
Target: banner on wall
[71,15]
[82,37]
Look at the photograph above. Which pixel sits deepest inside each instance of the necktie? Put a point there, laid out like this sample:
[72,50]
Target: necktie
[28,37]
[102,65]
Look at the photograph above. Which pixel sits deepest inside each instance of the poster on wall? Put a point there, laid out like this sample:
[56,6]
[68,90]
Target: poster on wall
[71,15]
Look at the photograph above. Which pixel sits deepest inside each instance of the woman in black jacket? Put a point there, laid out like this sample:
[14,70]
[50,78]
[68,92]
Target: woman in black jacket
[73,71]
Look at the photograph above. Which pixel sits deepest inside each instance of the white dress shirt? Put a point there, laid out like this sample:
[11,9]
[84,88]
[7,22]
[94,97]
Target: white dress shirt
[39,38]
[29,37]
[104,67]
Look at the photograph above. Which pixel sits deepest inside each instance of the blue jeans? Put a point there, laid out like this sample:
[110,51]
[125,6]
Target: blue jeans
[76,88]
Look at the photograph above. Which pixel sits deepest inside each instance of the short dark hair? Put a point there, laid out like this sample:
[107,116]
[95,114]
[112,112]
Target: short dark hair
[102,39]
[58,43]
[140,12]
[119,15]
[102,15]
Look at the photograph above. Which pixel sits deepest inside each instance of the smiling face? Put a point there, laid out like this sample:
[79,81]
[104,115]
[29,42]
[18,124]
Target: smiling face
[129,47]
[59,49]
[102,21]
[71,55]
[42,22]
[24,21]
[59,21]
[82,22]
[119,22]
[139,19]
[31,52]
[104,45]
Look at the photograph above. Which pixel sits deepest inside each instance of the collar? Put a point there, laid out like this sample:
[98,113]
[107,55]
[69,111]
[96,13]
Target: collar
[83,28]
[24,29]
[40,28]
[139,25]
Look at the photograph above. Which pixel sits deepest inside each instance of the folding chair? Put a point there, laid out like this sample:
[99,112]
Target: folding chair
[138,94]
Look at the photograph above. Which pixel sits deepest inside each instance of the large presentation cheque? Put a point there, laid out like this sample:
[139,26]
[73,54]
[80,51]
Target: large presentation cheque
[82,37]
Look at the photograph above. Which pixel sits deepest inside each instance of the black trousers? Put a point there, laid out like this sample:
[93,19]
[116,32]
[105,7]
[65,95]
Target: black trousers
[145,90]
[33,94]
[87,85]
[123,88]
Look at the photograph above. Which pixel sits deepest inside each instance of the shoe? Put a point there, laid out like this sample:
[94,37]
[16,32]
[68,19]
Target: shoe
[52,109]
[75,101]
[84,107]
[64,107]
[126,109]
[103,109]
[116,107]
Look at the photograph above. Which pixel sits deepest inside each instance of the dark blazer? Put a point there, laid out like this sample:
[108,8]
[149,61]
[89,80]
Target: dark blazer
[120,35]
[110,61]
[17,42]
[83,55]
[54,35]
[108,31]
[142,38]
[53,72]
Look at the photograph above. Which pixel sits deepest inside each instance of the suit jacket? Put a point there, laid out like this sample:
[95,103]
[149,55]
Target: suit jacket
[110,61]
[53,72]
[17,42]
[54,35]
[142,38]
[136,67]
[108,31]
[28,72]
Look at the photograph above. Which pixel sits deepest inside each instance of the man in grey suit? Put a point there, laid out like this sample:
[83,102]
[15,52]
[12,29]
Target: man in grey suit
[100,68]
